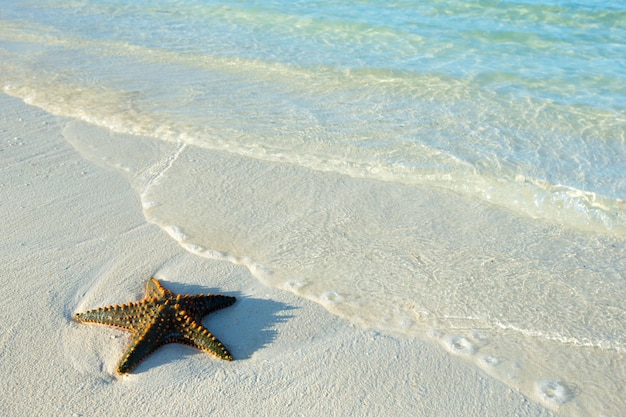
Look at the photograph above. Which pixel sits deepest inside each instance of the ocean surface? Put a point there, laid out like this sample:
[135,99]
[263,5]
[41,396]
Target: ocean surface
[451,170]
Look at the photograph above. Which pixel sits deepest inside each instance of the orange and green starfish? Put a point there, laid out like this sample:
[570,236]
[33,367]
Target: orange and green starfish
[162,317]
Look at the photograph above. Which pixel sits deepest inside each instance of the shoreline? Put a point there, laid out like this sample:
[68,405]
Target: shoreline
[77,238]
[516,297]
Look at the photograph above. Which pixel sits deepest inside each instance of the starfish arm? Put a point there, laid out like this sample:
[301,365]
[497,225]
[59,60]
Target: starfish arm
[196,335]
[198,306]
[154,289]
[148,338]
[124,316]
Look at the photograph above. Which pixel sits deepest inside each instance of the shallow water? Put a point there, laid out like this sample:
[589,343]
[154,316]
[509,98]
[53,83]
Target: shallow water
[518,103]
[449,170]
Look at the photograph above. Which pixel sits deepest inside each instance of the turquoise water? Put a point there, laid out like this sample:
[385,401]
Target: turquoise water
[519,103]
[453,171]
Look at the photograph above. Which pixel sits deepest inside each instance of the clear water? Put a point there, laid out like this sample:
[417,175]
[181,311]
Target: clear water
[518,103]
[453,170]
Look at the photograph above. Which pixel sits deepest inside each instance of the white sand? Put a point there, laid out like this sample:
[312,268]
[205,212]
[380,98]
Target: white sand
[74,238]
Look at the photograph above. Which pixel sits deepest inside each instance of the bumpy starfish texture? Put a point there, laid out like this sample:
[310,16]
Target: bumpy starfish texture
[162,317]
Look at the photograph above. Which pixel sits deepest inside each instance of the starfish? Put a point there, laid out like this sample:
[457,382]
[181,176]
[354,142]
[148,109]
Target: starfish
[162,317]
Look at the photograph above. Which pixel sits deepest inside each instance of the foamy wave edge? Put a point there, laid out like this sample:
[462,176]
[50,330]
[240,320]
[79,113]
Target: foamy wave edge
[579,209]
